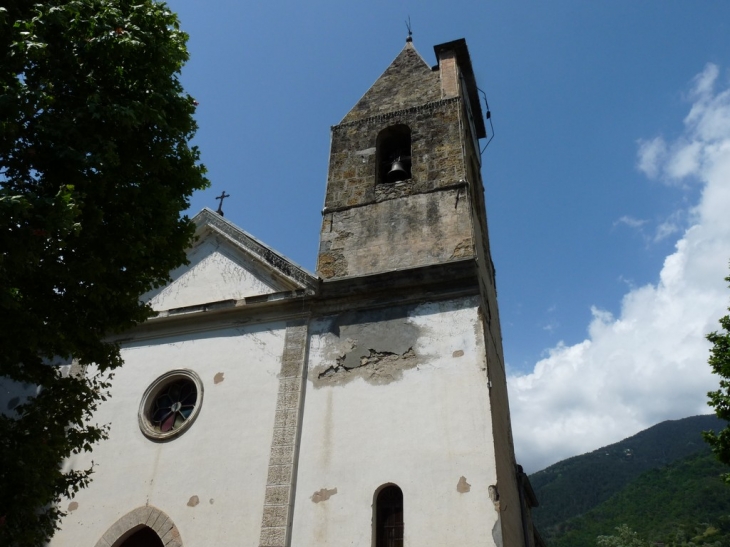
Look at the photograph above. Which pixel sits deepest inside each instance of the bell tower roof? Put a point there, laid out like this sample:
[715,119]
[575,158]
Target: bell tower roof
[408,81]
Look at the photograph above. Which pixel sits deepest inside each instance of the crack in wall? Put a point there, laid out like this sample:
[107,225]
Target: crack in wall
[378,367]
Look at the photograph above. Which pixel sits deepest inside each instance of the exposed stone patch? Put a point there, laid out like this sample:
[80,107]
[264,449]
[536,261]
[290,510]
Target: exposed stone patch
[323,495]
[494,496]
[378,367]
[332,264]
[462,486]
[464,249]
[193,501]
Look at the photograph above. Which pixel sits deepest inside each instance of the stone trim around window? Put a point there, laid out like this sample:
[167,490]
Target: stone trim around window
[148,516]
[144,415]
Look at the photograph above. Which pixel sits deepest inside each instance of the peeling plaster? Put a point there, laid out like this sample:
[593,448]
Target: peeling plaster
[73,506]
[376,345]
[378,367]
[462,486]
[218,378]
[323,495]
[193,501]
[458,353]
[494,496]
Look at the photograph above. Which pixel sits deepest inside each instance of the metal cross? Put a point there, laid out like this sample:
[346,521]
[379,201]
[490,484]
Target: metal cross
[220,205]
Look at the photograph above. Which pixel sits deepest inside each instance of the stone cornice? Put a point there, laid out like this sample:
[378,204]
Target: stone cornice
[398,113]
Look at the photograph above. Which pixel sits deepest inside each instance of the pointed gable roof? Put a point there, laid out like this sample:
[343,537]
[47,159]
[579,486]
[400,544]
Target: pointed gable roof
[408,81]
[227,263]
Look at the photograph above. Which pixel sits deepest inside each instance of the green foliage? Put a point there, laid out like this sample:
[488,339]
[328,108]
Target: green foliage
[624,537]
[720,399]
[572,487]
[684,503]
[95,168]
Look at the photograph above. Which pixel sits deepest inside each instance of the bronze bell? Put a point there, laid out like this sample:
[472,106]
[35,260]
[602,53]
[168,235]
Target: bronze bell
[397,172]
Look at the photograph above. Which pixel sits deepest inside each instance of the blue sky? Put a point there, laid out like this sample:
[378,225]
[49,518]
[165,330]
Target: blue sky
[590,182]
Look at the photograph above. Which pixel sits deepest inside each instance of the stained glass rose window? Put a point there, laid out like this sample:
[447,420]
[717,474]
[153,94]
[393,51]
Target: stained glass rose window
[170,404]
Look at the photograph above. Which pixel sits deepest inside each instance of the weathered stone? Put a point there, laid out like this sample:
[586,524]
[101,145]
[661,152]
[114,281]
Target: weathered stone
[277,495]
[279,475]
[273,537]
[274,516]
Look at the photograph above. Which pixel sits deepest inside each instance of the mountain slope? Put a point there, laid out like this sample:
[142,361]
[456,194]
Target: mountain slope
[572,487]
[686,498]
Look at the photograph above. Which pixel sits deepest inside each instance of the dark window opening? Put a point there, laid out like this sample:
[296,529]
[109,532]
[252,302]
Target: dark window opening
[389,517]
[173,405]
[394,154]
[145,537]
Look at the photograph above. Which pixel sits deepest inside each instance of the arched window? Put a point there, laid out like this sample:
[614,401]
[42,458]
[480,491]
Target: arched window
[393,148]
[142,527]
[389,517]
[144,537]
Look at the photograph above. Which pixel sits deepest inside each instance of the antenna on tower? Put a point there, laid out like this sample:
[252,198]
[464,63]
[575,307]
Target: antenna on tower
[410,32]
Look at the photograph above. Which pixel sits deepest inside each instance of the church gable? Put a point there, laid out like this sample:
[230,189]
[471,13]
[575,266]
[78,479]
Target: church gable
[226,263]
[408,81]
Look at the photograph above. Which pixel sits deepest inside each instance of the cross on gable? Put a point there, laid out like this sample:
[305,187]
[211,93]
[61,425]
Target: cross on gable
[220,205]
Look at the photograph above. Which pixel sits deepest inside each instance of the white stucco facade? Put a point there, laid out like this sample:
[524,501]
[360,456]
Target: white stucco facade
[211,479]
[304,417]
[422,430]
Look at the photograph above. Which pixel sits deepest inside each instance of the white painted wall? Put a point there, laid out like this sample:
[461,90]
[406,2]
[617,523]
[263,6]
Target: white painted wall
[222,459]
[422,432]
[217,271]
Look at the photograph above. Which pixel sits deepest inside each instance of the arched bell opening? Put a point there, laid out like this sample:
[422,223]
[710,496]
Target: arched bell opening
[393,148]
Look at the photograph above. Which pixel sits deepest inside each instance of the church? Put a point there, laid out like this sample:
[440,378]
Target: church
[364,404]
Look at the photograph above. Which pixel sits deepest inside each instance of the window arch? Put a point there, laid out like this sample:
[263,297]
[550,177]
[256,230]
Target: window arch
[142,525]
[144,537]
[389,517]
[393,148]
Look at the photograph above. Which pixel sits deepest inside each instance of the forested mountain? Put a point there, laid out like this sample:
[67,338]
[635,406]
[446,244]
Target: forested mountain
[572,487]
[684,502]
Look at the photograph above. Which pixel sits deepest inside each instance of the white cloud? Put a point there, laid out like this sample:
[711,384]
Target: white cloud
[630,221]
[684,160]
[649,363]
[672,225]
[651,156]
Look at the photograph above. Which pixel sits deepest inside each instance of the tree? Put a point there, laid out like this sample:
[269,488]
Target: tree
[720,400]
[95,169]
[624,537]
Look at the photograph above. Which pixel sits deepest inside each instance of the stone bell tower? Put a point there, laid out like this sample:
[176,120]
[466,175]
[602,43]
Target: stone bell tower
[405,219]
[404,187]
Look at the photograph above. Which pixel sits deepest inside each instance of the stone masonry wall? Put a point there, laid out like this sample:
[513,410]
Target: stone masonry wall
[408,81]
[436,155]
[400,233]
[431,221]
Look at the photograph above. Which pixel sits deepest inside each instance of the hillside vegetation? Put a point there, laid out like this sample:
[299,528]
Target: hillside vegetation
[682,502]
[649,465]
